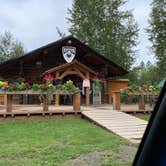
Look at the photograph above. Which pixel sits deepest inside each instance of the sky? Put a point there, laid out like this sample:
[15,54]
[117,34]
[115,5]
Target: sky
[34,22]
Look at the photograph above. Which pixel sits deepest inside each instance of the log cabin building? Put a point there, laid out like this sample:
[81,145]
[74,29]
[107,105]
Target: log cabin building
[67,59]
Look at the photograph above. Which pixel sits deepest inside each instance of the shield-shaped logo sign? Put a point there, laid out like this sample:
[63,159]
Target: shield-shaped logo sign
[68,53]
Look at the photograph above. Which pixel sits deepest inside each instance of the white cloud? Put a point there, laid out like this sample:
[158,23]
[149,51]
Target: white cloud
[34,21]
[141,12]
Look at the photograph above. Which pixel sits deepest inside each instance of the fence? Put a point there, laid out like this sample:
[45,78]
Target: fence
[134,102]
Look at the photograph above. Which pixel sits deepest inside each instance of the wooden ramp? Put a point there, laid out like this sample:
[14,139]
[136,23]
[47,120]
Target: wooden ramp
[122,124]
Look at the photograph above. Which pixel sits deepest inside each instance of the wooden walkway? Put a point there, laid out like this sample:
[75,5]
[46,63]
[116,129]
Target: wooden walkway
[122,124]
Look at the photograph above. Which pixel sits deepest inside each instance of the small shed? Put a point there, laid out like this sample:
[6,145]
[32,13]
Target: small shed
[116,85]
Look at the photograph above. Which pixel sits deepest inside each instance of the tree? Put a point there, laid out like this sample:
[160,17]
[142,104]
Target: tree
[9,47]
[144,74]
[105,27]
[157,34]
[60,33]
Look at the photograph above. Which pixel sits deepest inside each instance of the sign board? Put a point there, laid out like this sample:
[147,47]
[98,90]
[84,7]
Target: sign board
[96,95]
[69,53]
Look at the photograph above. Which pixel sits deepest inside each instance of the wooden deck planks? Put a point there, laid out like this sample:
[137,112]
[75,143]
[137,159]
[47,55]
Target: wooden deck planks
[28,110]
[122,124]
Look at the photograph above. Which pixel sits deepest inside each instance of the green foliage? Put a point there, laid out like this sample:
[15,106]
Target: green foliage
[141,88]
[52,142]
[145,74]
[9,47]
[97,83]
[20,86]
[46,90]
[67,87]
[106,28]
[36,87]
[157,34]
[143,116]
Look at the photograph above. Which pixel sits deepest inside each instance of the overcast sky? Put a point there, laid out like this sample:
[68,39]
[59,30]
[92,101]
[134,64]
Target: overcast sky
[34,22]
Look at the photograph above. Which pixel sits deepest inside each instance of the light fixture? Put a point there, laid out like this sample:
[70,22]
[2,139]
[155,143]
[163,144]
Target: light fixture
[69,41]
[38,63]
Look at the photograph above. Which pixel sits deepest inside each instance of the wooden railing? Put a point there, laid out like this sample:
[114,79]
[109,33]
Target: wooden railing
[140,95]
[7,97]
[2,99]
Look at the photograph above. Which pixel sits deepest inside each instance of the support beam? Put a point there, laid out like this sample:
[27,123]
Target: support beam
[116,100]
[45,104]
[141,102]
[110,99]
[57,74]
[76,101]
[8,102]
[57,96]
[2,99]
[87,95]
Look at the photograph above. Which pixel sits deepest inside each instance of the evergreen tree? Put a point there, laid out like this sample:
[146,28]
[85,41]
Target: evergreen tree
[157,34]
[105,27]
[9,47]
[144,74]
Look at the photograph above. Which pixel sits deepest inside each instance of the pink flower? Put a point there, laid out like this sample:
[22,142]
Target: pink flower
[103,79]
[20,79]
[48,77]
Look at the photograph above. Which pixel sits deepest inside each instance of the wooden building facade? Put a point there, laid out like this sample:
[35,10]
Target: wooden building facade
[67,59]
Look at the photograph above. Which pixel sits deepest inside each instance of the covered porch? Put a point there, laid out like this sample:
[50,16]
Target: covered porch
[81,75]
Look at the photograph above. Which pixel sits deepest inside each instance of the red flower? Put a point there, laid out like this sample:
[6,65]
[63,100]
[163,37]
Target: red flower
[27,84]
[103,79]
[48,77]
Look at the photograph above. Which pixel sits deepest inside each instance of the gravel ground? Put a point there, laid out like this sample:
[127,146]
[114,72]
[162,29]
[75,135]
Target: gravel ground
[123,156]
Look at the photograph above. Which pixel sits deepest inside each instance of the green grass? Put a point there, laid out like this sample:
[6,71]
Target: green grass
[52,142]
[144,116]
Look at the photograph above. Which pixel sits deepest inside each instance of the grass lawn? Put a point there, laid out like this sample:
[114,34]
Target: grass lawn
[144,116]
[55,142]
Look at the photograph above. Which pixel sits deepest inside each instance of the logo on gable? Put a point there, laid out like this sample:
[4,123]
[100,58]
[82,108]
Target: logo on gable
[68,53]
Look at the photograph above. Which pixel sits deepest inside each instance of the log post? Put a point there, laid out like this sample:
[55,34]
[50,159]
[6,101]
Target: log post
[109,95]
[76,101]
[45,104]
[128,99]
[116,100]
[57,96]
[8,102]
[110,99]
[87,96]
[2,99]
[141,102]
[87,91]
